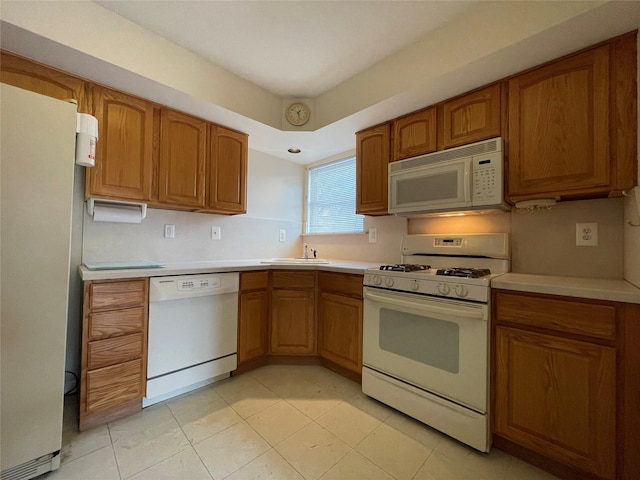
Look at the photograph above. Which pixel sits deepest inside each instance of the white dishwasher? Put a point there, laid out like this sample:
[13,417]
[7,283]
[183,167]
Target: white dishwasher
[193,332]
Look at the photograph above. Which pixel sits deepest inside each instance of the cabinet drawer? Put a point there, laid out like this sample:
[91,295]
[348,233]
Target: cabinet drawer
[559,314]
[293,279]
[102,353]
[116,322]
[113,295]
[254,280]
[341,283]
[114,385]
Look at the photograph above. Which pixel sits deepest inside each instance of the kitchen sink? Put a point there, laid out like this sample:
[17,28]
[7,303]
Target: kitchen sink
[294,261]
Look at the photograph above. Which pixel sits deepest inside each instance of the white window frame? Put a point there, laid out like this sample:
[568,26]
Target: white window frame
[306,196]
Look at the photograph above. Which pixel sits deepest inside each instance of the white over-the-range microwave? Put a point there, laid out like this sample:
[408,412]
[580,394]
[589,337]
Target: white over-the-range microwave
[462,179]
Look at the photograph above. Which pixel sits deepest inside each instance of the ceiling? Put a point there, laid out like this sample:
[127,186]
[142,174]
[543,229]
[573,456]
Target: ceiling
[290,48]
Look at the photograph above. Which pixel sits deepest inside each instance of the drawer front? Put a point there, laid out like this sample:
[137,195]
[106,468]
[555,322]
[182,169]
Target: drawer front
[102,353]
[116,322]
[111,295]
[342,283]
[562,315]
[293,279]
[254,280]
[111,386]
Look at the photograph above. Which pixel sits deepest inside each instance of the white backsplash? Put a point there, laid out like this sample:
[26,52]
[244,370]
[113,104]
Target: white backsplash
[274,202]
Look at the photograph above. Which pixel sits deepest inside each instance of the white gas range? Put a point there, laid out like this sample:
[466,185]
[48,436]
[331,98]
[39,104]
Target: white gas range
[426,331]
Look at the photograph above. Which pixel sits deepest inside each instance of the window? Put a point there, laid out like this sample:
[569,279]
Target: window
[331,198]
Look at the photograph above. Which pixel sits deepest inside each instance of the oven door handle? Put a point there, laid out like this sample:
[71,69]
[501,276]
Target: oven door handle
[474,314]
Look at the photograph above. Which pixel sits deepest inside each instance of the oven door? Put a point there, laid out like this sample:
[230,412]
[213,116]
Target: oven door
[438,345]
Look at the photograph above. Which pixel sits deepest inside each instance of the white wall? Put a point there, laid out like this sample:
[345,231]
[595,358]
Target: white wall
[274,202]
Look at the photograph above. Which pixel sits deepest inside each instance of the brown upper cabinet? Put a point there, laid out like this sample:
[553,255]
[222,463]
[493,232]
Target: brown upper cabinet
[183,154]
[124,162]
[34,77]
[415,134]
[146,153]
[573,123]
[471,117]
[227,179]
[372,177]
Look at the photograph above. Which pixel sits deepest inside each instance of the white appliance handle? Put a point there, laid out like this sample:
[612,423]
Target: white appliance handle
[478,315]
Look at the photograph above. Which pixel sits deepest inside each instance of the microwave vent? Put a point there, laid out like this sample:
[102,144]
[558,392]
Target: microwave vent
[479,148]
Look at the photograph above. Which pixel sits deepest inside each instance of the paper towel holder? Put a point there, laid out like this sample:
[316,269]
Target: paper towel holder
[92,202]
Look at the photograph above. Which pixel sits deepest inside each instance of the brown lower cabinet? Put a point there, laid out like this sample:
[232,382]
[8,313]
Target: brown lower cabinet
[114,349]
[293,323]
[295,316]
[564,396]
[340,322]
[253,316]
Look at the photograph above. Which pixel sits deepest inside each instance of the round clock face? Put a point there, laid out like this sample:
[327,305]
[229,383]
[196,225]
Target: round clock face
[298,114]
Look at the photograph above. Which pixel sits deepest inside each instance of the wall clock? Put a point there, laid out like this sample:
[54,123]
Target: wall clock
[297,114]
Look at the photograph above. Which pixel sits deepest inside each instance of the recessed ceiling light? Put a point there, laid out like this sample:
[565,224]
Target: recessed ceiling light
[294,150]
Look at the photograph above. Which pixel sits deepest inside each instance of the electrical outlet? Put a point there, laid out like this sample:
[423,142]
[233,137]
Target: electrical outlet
[283,235]
[216,233]
[587,234]
[373,235]
[169,231]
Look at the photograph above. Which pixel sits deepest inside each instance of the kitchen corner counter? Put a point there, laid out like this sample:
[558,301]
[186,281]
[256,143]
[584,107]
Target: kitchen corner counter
[186,268]
[617,290]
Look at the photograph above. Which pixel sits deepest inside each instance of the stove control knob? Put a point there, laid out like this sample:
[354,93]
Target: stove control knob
[388,282]
[443,289]
[461,291]
[377,280]
[415,285]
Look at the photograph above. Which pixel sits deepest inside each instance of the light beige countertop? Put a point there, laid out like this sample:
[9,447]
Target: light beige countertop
[617,290]
[186,268]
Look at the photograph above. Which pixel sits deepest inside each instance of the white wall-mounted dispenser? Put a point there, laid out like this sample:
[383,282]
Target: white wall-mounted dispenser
[86,138]
[117,211]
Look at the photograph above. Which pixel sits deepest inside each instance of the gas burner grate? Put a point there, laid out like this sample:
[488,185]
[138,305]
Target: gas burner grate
[405,267]
[464,272]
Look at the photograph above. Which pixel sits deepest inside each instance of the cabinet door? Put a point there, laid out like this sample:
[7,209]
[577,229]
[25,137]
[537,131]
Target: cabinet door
[252,325]
[372,170]
[124,149]
[227,186]
[559,128]
[472,117]
[415,134]
[556,396]
[340,330]
[28,75]
[292,322]
[181,176]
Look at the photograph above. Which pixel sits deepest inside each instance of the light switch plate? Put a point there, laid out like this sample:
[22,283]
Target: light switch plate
[169,231]
[216,233]
[283,235]
[373,235]
[587,234]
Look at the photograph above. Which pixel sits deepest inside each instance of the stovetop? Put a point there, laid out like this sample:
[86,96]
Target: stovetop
[464,272]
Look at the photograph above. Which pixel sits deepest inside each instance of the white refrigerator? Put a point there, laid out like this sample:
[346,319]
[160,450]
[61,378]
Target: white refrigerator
[37,149]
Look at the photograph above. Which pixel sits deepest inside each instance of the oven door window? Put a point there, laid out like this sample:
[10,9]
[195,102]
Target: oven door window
[423,339]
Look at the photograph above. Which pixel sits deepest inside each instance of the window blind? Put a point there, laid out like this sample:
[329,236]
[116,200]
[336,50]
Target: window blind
[331,198]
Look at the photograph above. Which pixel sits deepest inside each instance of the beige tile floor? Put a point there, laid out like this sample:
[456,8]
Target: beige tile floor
[277,422]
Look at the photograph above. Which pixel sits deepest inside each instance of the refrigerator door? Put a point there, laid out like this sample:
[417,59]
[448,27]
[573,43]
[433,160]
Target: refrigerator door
[37,141]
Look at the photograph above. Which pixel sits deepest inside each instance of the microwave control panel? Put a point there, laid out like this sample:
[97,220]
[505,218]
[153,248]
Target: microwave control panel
[487,179]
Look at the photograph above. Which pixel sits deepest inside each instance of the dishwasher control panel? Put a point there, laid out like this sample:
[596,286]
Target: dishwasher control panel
[187,286]
[198,284]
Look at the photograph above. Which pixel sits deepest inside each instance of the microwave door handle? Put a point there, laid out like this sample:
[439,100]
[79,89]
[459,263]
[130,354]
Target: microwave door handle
[424,307]
[468,180]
